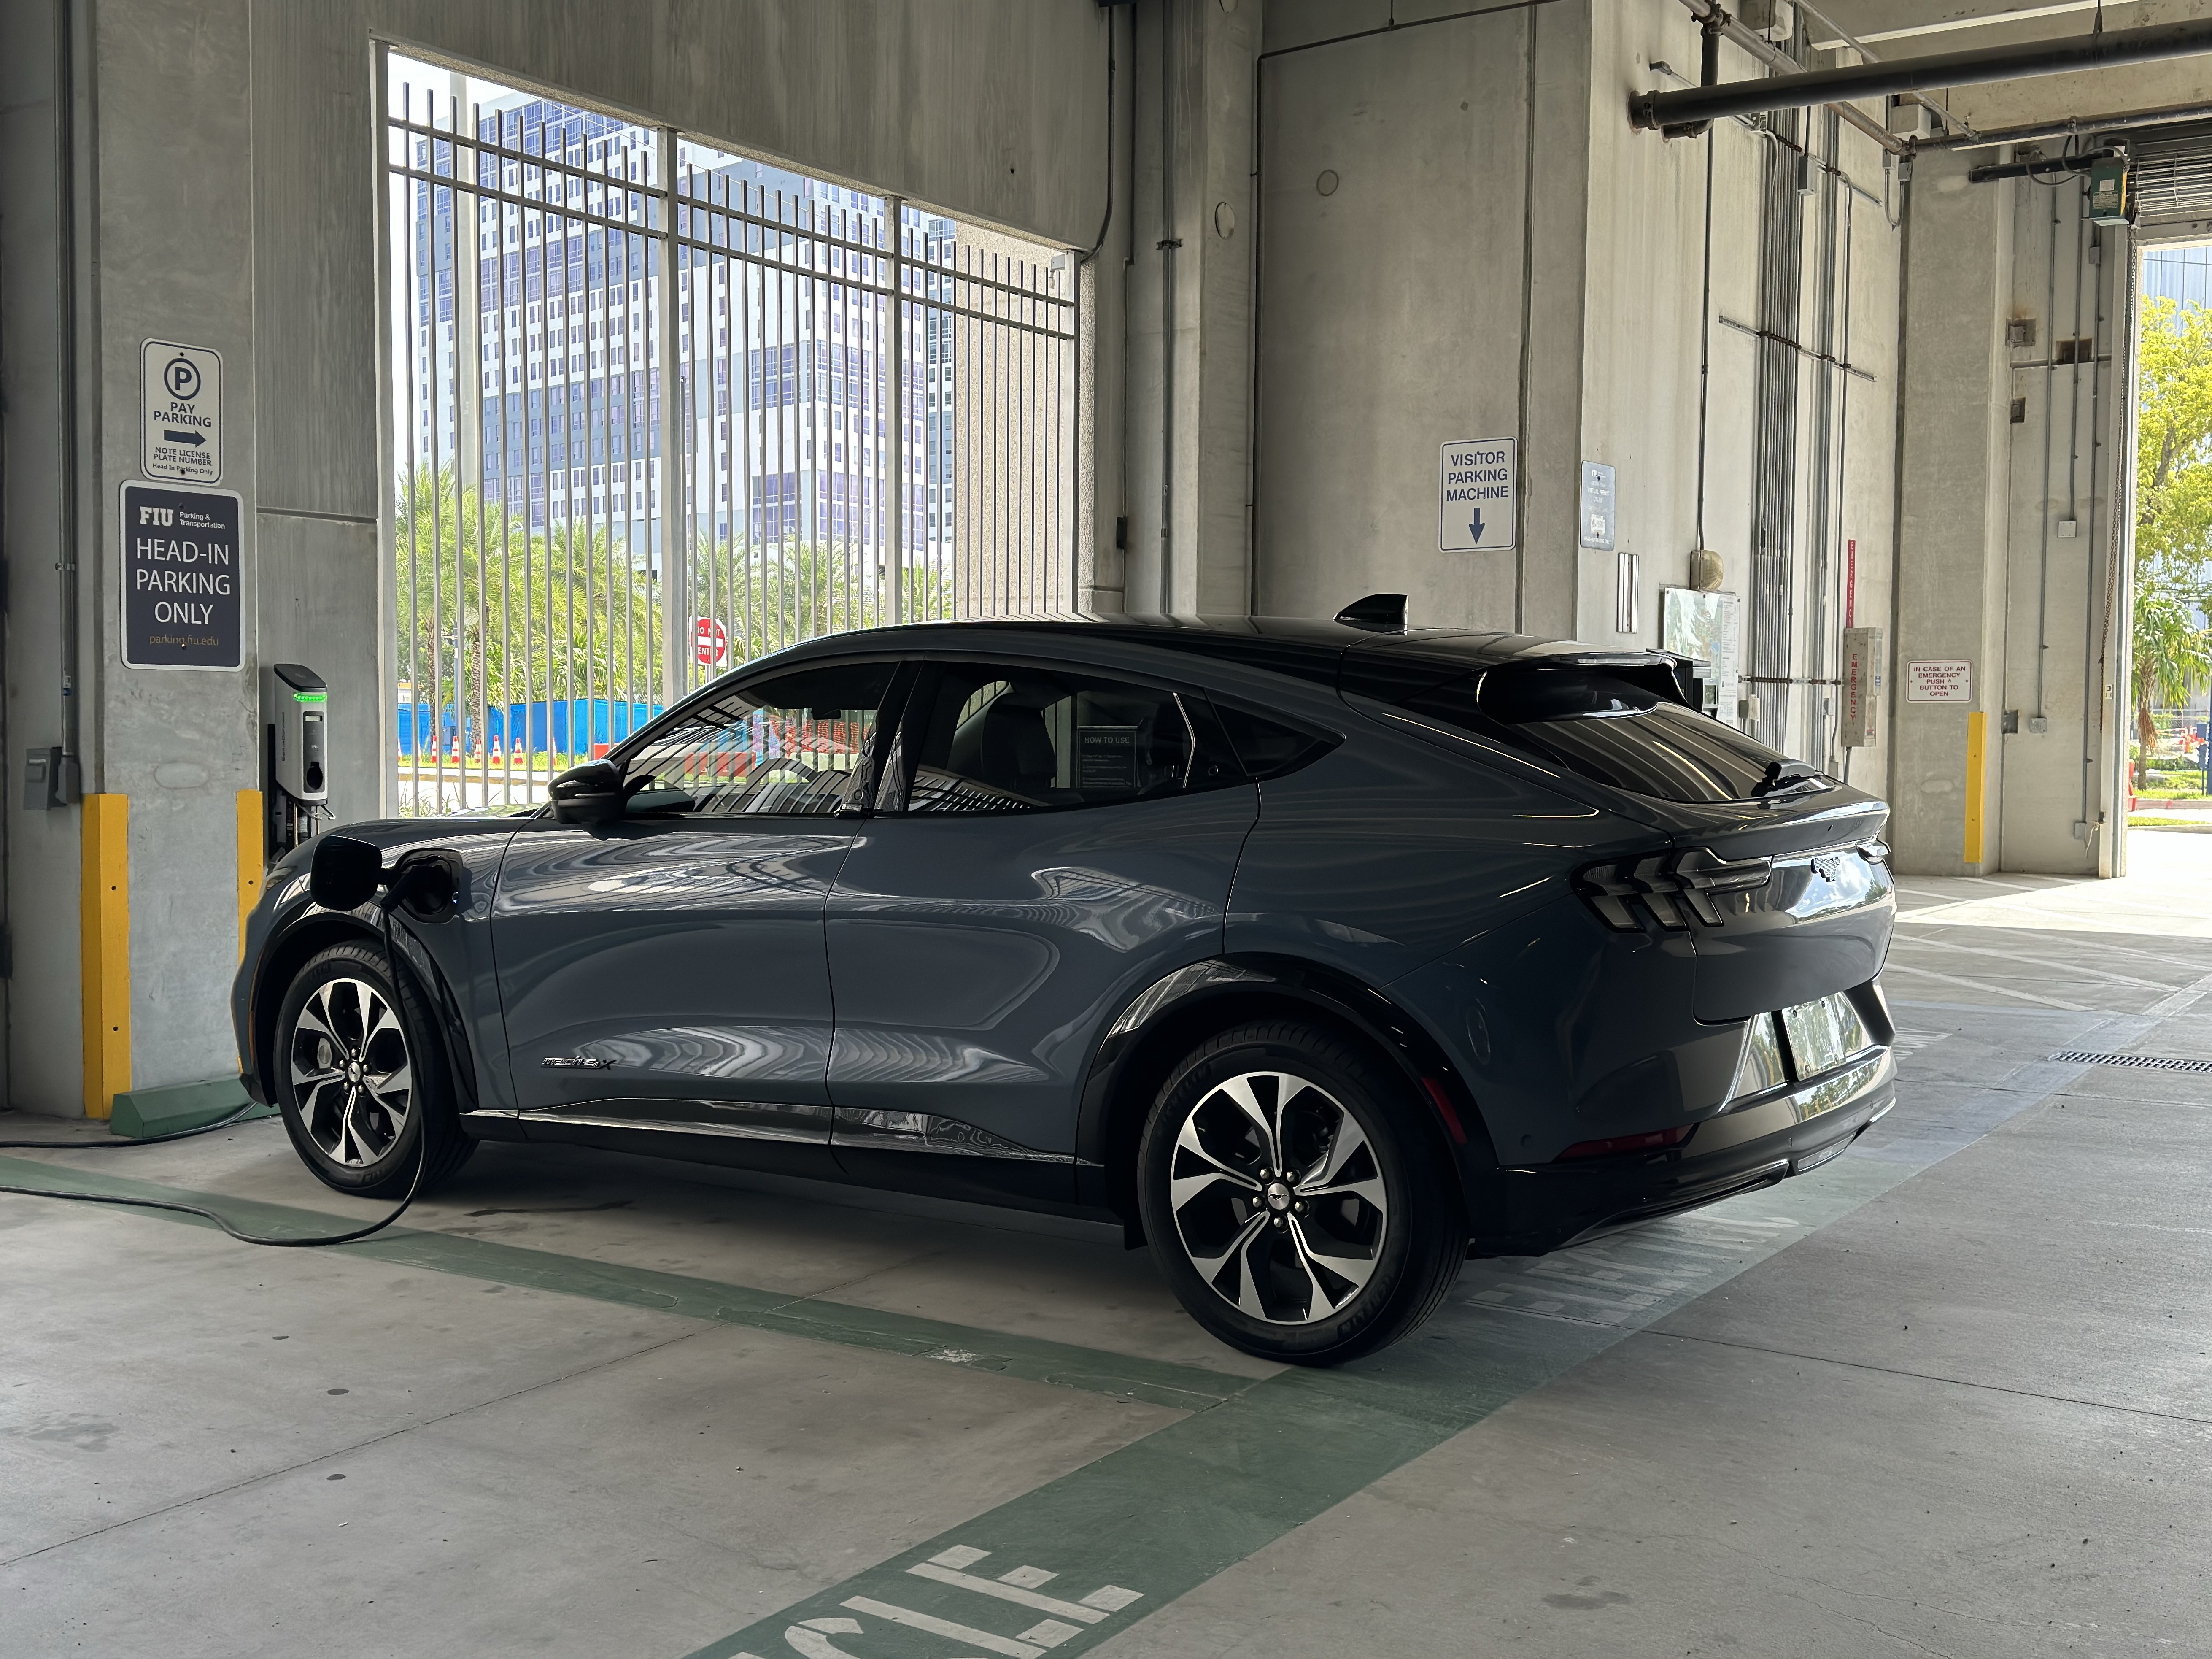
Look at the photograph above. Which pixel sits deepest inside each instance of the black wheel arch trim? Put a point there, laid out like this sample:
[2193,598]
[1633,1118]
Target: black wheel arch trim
[1157,1026]
[291,943]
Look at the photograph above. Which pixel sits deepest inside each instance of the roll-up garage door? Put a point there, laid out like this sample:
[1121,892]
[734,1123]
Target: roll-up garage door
[2172,179]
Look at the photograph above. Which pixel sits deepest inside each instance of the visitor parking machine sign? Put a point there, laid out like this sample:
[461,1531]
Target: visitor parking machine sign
[1476,485]
[180,577]
[180,424]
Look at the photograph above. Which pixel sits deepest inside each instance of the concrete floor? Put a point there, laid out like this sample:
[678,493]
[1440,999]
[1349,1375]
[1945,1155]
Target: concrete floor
[1948,1395]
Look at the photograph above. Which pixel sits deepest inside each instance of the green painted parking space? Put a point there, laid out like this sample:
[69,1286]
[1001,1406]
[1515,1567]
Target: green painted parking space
[1148,1524]
[1074,1562]
[1159,1383]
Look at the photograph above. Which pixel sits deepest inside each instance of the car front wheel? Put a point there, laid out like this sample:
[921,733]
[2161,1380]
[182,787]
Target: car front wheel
[362,1079]
[1291,1194]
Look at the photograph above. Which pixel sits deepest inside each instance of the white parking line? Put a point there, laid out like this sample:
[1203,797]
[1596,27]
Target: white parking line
[2040,961]
[1893,966]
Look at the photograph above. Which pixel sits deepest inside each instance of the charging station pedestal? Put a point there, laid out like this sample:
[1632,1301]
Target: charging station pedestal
[296,753]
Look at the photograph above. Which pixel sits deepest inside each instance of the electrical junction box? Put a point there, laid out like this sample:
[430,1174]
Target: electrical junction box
[1777,20]
[1862,686]
[2110,203]
[299,716]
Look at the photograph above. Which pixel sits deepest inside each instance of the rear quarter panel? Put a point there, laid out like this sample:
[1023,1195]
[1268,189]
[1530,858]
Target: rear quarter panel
[1405,861]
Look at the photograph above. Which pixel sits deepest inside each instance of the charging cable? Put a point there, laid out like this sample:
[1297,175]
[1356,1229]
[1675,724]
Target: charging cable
[395,890]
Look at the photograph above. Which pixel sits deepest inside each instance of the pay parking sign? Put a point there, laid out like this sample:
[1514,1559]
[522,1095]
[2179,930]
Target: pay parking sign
[1476,484]
[180,426]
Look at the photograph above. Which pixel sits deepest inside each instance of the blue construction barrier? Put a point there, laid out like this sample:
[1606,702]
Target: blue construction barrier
[563,726]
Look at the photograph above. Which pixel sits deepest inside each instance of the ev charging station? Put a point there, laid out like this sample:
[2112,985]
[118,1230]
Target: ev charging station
[295,754]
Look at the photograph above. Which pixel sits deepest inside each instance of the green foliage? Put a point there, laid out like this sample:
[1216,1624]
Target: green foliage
[506,615]
[510,617]
[2171,645]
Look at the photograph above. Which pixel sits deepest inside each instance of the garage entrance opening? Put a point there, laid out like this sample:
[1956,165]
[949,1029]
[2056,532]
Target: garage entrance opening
[2170,635]
[658,408]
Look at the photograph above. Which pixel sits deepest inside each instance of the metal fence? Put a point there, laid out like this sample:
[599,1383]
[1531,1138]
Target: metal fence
[661,408]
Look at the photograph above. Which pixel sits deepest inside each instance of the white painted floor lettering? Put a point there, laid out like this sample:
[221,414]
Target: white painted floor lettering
[936,1627]
[1020,1584]
[1004,1592]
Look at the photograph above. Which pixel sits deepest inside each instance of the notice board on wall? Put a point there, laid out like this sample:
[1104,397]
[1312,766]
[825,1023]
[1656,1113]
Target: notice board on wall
[1707,625]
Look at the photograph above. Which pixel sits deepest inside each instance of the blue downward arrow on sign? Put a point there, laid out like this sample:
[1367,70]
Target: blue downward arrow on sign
[1476,528]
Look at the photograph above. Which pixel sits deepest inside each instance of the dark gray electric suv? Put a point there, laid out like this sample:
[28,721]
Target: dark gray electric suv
[1320,955]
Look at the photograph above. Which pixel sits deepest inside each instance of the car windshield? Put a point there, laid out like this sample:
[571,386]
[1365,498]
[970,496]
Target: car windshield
[1605,729]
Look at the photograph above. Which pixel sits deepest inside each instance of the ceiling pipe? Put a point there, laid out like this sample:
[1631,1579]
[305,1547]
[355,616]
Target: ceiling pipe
[2077,126]
[1955,69]
[1709,71]
[1868,54]
[1762,50]
[2037,170]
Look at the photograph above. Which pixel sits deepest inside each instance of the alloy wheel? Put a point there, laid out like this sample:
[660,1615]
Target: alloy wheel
[351,1074]
[1279,1200]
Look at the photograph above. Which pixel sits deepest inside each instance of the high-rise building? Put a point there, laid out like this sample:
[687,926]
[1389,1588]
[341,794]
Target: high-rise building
[561,348]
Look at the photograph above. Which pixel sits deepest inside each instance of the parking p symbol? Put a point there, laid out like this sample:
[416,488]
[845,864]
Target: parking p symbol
[182,380]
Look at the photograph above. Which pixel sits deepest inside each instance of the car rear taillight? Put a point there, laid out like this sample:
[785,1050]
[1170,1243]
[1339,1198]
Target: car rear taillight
[1653,1141]
[1672,886]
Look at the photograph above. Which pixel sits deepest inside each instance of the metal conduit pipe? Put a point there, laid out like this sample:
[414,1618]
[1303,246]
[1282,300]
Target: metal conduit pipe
[1709,70]
[2074,126]
[2036,169]
[1764,52]
[1663,110]
[1868,55]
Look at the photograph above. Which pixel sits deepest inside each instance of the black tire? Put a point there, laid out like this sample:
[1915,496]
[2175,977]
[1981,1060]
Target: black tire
[349,1121]
[1267,1250]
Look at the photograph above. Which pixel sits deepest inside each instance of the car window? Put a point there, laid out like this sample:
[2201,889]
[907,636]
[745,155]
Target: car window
[1606,729]
[987,738]
[1268,747]
[798,743]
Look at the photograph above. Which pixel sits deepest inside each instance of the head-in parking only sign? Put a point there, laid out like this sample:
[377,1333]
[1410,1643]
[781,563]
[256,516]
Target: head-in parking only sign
[181,423]
[180,577]
[1475,488]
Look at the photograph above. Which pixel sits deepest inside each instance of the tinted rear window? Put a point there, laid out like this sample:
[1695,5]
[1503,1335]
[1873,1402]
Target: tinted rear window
[1603,729]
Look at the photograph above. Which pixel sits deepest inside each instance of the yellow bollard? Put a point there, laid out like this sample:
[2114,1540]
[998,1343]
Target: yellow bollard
[1978,738]
[104,929]
[250,857]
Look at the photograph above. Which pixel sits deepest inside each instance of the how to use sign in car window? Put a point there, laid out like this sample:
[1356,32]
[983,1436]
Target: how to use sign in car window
[994,738]
[797,743]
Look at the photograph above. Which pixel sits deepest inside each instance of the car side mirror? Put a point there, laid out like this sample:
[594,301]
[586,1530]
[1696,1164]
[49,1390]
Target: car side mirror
[590,793]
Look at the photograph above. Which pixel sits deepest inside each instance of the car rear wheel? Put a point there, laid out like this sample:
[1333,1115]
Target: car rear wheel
[362,1079]
[1292,1196]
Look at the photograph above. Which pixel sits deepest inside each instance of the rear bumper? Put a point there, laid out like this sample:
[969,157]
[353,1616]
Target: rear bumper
[1548,1205]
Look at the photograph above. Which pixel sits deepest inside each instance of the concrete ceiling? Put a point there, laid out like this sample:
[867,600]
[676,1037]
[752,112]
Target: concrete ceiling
[1900,27]
[1916,29]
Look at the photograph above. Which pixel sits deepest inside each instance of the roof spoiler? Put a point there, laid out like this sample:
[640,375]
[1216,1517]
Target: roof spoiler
[1378,613]
[1665,674]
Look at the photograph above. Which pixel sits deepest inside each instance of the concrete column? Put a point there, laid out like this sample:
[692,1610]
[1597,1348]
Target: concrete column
[1189,307]
[160,224]
[1555,277]
[1954,513]
[1102,288]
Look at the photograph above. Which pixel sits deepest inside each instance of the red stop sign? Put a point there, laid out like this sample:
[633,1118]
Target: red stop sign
[710,643]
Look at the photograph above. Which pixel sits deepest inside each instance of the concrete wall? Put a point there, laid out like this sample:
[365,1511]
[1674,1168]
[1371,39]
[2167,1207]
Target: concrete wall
[1187,309]
[1987,572]
[1502,254]
[228,195]
[1270,371]
[1642,368]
